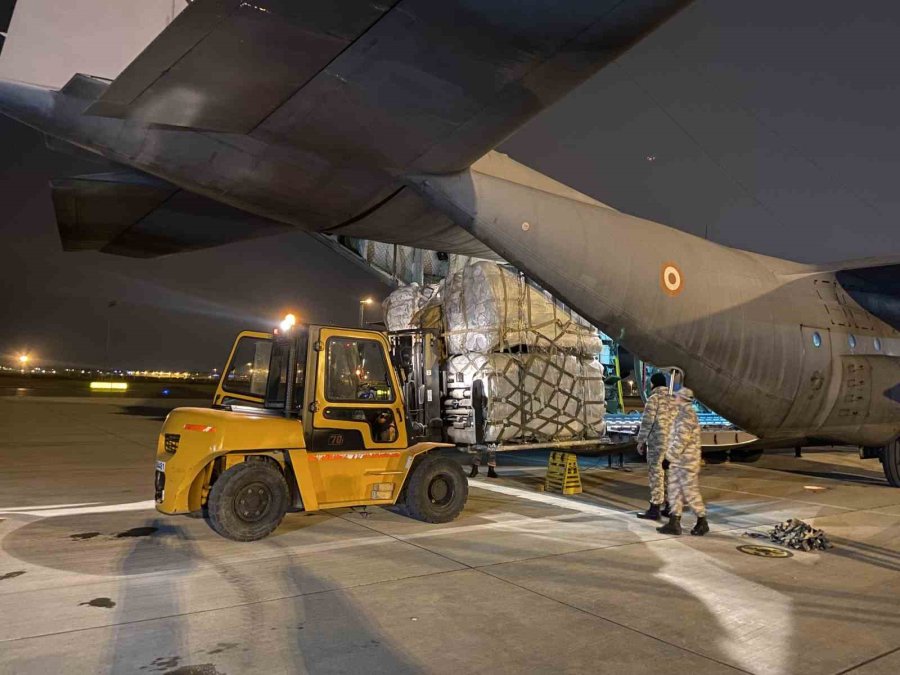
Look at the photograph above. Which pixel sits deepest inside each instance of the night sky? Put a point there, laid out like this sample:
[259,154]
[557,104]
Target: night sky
[770,126]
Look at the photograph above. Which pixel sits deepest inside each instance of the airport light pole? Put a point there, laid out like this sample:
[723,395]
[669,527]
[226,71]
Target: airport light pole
[23,361]
[362,311]
[109,306]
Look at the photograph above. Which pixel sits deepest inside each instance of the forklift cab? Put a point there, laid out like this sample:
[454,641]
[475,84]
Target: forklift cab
[344,390]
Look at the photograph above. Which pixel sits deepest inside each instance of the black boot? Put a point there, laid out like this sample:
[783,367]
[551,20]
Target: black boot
[701,528]
[491,472]
[650,514]
[664,512]
[672,527]
[474,471]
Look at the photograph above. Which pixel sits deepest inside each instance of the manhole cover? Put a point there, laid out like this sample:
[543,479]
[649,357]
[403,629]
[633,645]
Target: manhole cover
[764,551]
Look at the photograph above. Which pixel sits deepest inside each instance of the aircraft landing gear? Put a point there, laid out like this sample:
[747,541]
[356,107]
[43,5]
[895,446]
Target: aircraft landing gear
[890,462]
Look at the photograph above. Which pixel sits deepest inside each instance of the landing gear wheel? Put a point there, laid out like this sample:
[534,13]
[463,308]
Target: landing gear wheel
[890,461]
[717,457]
[248,501]
[746,456]
[437,490]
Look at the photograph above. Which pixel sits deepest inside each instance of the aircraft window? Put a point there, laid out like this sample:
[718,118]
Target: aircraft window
[817,340]
[877,344]
[357,371]
[852,341]
[249,367]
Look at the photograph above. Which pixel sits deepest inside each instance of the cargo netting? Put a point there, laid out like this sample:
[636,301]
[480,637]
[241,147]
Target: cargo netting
[529,397]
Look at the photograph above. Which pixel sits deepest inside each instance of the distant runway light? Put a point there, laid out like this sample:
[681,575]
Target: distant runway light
[109,386]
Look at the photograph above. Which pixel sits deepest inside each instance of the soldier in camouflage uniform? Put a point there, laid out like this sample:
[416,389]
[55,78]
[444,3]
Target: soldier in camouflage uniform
[652,439]
[489,453]
[683,453]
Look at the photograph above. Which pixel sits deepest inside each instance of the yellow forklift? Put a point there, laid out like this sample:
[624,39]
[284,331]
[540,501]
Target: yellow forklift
[308,418]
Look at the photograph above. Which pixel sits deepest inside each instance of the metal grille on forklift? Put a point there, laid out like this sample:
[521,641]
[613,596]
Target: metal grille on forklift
[171,443]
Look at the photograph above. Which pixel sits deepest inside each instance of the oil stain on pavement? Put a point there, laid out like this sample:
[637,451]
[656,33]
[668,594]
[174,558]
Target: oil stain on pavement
[137,532]
[199,669]
[223,646]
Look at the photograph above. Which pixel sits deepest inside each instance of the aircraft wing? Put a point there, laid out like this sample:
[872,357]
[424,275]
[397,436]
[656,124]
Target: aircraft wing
[338,101]
[434,85]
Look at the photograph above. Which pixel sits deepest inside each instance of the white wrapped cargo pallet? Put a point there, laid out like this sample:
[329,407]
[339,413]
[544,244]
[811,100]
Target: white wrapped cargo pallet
[488,308]
[530,397]
[401,306]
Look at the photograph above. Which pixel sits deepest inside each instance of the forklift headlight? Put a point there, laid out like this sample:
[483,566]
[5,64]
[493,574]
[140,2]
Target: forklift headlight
[288,322]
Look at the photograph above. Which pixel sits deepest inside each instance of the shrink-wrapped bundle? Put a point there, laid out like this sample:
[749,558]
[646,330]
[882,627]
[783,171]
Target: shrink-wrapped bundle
[489,308]
[402,305]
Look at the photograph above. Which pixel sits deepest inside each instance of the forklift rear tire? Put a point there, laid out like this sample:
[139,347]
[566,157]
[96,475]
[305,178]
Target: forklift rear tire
[248,501]
[437,490]
[890,462]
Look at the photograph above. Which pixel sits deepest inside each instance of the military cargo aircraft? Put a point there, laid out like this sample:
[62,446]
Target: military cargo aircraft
[378,120]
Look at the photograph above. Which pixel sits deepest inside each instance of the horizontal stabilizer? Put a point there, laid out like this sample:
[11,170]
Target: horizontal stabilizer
[132,214]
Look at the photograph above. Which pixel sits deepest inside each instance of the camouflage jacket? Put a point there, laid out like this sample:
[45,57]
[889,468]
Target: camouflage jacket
[683,448]
[657,419]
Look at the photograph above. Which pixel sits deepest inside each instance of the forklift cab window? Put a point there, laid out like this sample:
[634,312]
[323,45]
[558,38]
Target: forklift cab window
[249,368]
[357,371]
[276,389]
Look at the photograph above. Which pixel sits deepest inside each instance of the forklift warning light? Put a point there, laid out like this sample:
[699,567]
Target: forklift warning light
[109,386]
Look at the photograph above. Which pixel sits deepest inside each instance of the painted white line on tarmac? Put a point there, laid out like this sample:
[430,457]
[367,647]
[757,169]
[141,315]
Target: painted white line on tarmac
[544,498]
[42,507]
[55,510]
[81,511]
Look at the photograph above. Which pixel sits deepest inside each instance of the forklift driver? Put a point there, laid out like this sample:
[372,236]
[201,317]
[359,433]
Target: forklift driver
[383,428]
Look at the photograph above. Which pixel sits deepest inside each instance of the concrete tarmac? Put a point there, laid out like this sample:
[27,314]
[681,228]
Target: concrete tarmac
[93,580]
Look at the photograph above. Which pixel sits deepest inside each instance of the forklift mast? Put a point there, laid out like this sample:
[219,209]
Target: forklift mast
[416,356]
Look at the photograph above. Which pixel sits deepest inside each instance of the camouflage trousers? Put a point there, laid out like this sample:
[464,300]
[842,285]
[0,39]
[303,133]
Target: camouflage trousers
[489,454]
[656,475]
[684,489]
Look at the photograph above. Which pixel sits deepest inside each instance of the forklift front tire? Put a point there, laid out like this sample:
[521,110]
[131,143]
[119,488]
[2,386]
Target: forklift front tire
[437,490]
[248,501]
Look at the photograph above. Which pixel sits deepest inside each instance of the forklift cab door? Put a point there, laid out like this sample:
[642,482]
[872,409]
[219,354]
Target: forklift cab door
[256,374]
[358,405]
[243,381]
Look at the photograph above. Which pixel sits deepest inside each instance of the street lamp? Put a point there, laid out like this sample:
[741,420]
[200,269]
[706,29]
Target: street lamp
[362,311]
[23,361]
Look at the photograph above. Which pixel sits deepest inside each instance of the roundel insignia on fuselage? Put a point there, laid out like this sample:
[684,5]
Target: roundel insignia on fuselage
[671,279]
